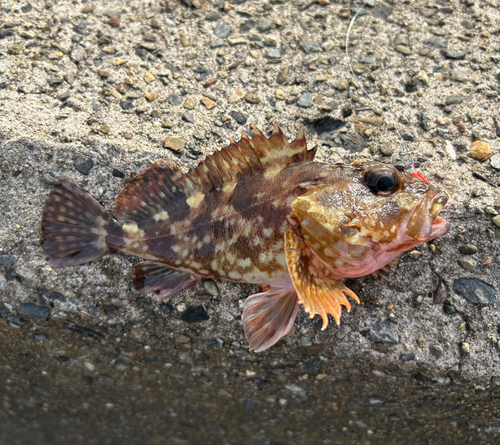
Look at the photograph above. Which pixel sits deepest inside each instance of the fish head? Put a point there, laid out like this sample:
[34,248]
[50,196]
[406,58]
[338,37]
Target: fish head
[369,206]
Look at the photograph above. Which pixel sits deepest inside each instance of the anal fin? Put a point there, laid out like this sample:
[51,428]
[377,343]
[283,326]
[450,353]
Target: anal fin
[150,276]
[319,293]
[268,316]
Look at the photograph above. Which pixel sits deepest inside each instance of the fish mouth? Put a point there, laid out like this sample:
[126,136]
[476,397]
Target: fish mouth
[425,223]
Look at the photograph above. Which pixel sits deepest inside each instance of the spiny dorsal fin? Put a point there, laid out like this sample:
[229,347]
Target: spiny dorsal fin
[163,188]
[251,156]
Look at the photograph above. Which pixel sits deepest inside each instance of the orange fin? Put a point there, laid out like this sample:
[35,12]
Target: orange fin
[318,293]
[268,316]
[149,276]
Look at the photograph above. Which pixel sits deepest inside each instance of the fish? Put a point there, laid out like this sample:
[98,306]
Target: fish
[260,211]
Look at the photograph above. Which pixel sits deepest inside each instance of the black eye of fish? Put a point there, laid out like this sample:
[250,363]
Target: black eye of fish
[382,180]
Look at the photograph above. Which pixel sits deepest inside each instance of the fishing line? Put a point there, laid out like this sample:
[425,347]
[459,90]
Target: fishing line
[405,152]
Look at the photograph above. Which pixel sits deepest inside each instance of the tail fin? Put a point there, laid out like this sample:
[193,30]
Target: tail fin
[74,226]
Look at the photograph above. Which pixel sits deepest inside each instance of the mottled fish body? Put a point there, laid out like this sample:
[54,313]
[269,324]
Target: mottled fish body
[258,211]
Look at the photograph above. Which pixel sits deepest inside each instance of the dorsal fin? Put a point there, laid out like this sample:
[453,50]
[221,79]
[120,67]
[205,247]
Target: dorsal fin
[161,186]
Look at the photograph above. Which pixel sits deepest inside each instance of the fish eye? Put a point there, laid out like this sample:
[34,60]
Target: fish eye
[382,180]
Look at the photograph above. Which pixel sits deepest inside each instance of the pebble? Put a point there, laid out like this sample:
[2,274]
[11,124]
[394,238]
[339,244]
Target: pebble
[264,24]
[403,49]
[175,144]
[6,260]
[126,104]
[436,351]
[454,100]
[283,75]
[449,308]
[211,287]
[275,53]
[450,54]
[415,254]
[307,46]
[190,103]
[84,166]
[475,290]
[342,86]
[305,99]
[387,150]
[222,30]
[105,128]
[495,161]
[209,103]
[384,332]
[496,221]
[31,310]
[148,77]
[376,121]
[459,75]
[238,117]
[468,263]
[195,314]
[252,98]
[233,41]
[114,22]
[467,249]
[481,150]
[280,94]
[188,117]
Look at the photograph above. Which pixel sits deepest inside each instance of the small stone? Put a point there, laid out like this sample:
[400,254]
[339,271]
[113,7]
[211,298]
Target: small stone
[252,98]
[495,162]
[195,314]
[126,104]
[387,150]
[188,117]
[31,310]
[342,86]
[449,308]
[415,254]
[450,54]
[103,73]
[305,99]
[15,48]
[105,128]
[275,53]
[459,75]
[6,260]
[84,166]
[481,151]
[222,30]
[87,9]
[403,49]
[119,62]
[307,46]
[209,103]
[150,37]
[280,94]
[185,42]
[238,117]
[454,100]
[384,332]
[56,55]
[442,121]
[249,406]
[465,348]
[233,41]
[114,22]
[496,220]
[468,263]
[213,17]
[175,144]
[436,350]
[148,77]
[190,103]
[467,249]
[283,75]
[423,77]
[211,288]
[264,24]
[475,290]
[6,166]
[376,121]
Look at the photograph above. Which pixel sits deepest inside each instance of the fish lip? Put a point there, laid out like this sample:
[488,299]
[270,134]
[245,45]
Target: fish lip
[440,227]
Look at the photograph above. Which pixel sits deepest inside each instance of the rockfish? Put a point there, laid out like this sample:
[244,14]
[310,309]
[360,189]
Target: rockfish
[258,211]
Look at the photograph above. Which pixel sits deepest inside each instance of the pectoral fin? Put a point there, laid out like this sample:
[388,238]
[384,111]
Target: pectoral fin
[268,316]
[317,292]
[149,276]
